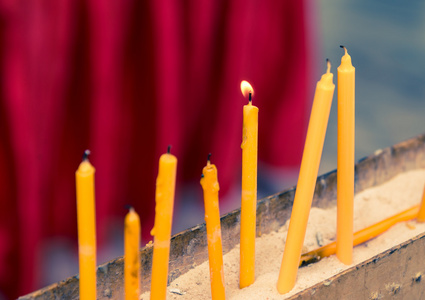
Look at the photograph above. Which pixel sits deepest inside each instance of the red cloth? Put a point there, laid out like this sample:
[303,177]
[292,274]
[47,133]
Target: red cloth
[126,79]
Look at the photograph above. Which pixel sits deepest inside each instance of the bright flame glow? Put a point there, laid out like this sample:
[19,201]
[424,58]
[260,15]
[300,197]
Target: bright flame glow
[246,88]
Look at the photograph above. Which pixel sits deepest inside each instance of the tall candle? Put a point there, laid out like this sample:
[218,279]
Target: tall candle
[164,197]
[249,189]
[84,178]
[131,255]
[210,186]
[421,213]
[306,181]
[345,169]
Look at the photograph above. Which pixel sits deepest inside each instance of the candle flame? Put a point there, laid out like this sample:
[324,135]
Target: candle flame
[246,89]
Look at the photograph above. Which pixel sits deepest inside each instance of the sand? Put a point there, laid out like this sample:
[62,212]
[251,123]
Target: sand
[370,206]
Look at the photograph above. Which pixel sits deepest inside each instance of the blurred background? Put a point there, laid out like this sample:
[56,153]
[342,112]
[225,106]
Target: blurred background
[386,43]
[127,79]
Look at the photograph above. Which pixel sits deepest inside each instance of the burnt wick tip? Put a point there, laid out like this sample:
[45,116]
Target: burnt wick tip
[86,155]
[128,207]
[169,149]
[209,157]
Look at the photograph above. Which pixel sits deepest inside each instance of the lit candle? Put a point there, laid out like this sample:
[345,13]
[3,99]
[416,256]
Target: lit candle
[164,197]
[249,189]
[306,181]
[421,214]
[131,255]
[345,169]
[84,178]
[212,218]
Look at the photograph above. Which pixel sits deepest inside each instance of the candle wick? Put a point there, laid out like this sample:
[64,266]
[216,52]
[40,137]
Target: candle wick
[169,149]
[343,47]
[209,157]
[86,155]
[250,97]
[128,207]
[328,62]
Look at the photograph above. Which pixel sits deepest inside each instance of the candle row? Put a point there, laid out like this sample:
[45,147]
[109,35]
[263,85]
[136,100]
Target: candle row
[165,188]
[164,198]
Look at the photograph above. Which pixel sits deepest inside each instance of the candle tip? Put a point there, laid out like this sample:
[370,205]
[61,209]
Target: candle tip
[86,155]
[209,157]
[343,47]
[128,207]
[169,149]
[328,62]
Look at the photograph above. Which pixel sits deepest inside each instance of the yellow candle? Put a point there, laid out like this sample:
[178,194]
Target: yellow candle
[131,255]
[364,235]
[306,181]
[84,178]
[249,189]
[164,197]
[212,218]
[345,170]
[421,214]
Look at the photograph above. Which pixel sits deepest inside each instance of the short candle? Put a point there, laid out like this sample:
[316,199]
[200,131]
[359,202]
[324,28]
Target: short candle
[131,255]
[210,187]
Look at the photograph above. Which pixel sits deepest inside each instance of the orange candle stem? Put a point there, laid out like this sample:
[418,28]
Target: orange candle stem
[421,213]
[131,255]
[84,177]
[345,160]
[363,235]
[164,197]
[210,187]
[306,181]
[249,190]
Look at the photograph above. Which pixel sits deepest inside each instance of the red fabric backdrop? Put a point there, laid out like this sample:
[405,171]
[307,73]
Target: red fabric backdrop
[125,79]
